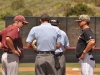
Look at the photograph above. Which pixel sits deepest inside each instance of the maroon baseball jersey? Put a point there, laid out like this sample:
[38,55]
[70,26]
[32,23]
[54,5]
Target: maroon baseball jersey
[0,36]
[14,33]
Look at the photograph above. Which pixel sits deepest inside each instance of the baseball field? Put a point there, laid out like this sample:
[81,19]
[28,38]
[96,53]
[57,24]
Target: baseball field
[71,69]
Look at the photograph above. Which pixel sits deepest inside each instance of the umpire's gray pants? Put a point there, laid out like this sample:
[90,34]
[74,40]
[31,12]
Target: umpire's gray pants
[45,64]
[62,70]
[9,64]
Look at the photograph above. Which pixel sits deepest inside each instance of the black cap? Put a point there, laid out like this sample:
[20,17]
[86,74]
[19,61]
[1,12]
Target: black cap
[54,22]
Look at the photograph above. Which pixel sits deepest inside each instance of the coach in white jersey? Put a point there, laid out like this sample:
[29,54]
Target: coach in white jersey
[85,45]
[60,52]
[48,40]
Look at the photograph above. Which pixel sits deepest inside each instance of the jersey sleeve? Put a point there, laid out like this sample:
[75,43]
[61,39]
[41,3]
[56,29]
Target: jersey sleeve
[13,34]
[31,35]
[59,37]
[88,35]
[66,41]
[0,36]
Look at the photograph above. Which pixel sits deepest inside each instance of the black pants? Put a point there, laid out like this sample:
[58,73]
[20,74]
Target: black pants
[61,59]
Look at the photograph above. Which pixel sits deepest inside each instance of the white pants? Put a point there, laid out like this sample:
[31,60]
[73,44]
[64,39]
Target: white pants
[9,64]
[87,65]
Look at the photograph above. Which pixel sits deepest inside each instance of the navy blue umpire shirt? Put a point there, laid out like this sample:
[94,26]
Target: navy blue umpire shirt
[47,37]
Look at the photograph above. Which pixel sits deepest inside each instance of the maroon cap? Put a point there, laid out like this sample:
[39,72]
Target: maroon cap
[20,18]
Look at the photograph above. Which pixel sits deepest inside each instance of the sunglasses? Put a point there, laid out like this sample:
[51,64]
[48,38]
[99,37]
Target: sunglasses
[24,23]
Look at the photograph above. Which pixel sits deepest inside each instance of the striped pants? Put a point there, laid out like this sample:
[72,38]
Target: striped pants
[87,65]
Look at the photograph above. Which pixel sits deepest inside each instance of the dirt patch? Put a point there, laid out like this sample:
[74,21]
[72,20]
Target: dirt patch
[26,69]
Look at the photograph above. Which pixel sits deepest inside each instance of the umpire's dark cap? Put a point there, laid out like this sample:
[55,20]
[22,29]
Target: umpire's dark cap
[20,18]
[54,22]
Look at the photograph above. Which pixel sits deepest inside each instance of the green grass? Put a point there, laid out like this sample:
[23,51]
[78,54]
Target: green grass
[98,65]
[26,65]
[75,65]
[72,65]
[24,73]
[2,25]
[67,65]
[97,73]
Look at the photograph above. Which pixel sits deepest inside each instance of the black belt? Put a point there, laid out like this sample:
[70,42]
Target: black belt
[45,52]
[89,53]
[92,59]
[9,52]
[60,54]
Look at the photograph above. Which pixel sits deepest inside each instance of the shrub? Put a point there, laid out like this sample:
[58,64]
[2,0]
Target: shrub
[97,2]
[17,4]
[3,15]
[27,12]
[80,9]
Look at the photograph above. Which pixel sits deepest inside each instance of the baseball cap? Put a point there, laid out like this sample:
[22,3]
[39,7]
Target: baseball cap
[54,22]
[20,18]
[83,17]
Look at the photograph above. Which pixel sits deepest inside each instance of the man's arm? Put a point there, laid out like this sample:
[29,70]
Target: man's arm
[0,45]
[11,45]
[0,40]
[66,48]
[66,43]
[88,47]
[32,46]
[29,46]
[58,46]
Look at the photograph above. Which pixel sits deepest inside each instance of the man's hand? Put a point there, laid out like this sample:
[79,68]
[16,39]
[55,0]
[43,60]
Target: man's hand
[34,45]
[16,52]
[11,45]
[83,55]
[0,45]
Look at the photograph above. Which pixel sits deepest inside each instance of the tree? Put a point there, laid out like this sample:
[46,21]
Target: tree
[17,4]
[27,12]
[80,9]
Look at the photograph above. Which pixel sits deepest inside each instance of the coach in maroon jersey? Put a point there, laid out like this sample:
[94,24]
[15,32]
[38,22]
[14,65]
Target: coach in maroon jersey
[12,47]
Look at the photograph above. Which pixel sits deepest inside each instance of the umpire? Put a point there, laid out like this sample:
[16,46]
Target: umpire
[60,52]
[48,40]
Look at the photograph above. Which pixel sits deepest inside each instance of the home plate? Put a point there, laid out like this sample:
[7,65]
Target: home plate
[75,69]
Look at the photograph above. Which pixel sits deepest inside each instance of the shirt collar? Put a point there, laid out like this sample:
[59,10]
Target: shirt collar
[45,24]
